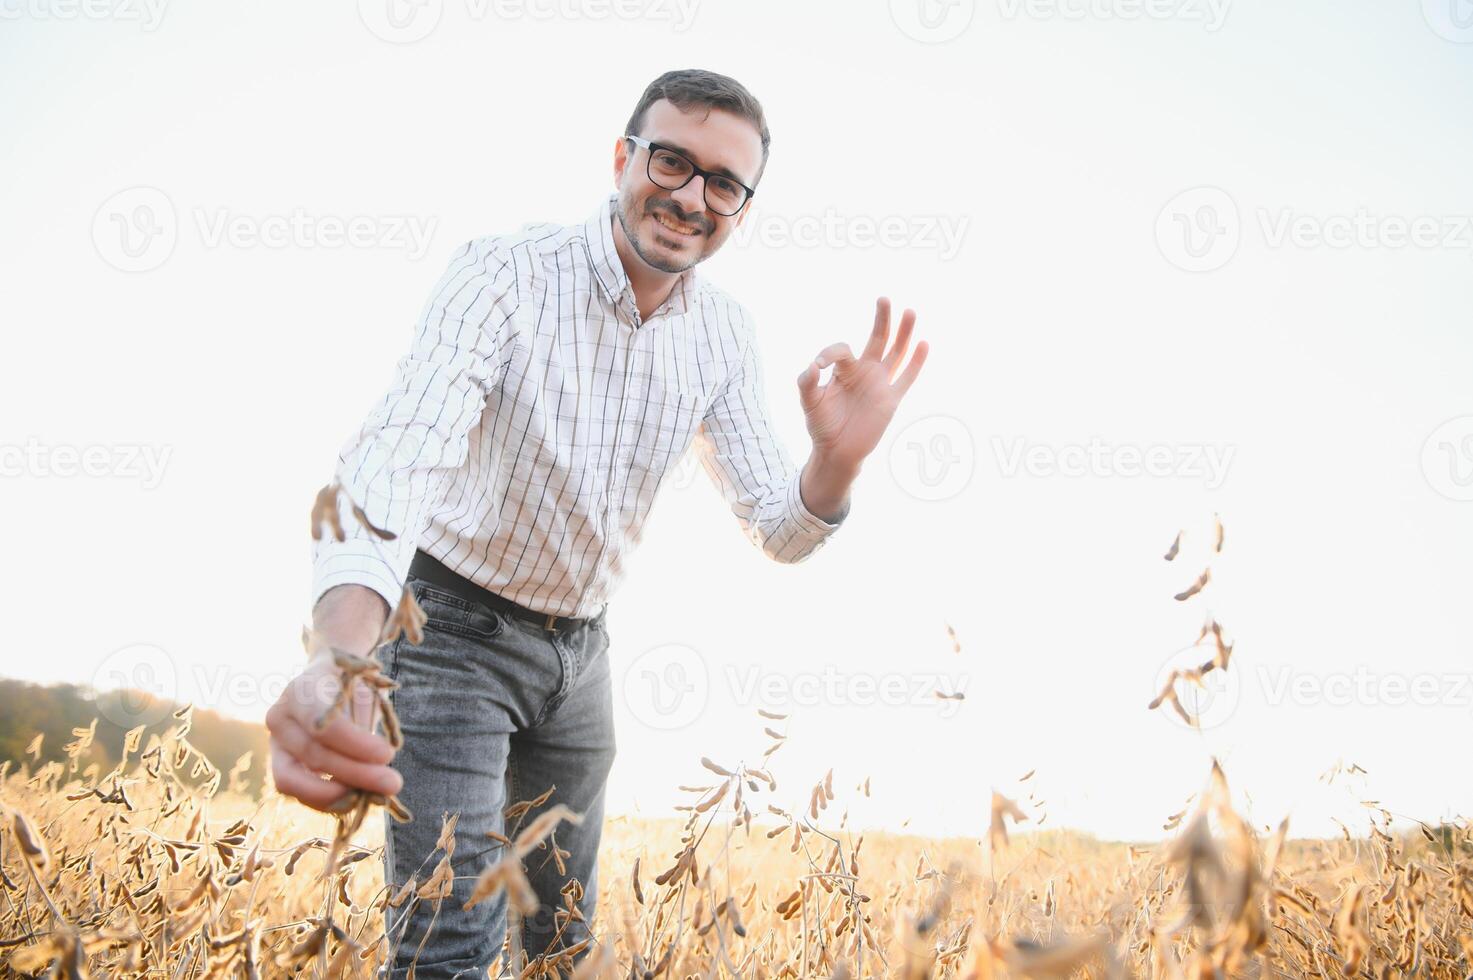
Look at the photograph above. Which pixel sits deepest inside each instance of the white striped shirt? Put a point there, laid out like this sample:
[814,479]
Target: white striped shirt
[530,426]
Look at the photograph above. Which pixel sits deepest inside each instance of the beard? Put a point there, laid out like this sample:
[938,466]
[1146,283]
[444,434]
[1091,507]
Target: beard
[631,214]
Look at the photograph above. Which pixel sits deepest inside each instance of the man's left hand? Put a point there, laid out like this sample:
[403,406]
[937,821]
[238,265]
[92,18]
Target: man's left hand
[847,416]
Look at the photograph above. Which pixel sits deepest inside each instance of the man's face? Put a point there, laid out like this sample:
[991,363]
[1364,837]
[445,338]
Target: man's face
[673,230]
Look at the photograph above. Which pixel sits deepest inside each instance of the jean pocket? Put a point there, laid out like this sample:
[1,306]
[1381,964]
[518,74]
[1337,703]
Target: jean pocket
[446,612]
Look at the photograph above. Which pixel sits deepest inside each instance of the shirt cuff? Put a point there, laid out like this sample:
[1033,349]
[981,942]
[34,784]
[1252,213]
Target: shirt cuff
[806,519]
[354,563]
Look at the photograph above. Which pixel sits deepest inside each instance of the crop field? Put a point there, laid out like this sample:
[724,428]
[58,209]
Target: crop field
[157,869]
[163,866]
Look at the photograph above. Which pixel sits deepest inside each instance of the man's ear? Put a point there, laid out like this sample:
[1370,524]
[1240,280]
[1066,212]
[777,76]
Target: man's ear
[621,159]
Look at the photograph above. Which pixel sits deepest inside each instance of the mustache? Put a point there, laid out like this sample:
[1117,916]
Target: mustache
[674,211]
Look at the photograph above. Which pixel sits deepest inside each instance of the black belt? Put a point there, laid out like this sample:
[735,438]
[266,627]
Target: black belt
[432,570]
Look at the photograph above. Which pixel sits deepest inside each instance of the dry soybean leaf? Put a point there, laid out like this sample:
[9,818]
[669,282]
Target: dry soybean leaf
[1002,807]
[718,770]
[1196,586]
[545,823]
[325,508]
[408,619]
[32,844]
[373,529]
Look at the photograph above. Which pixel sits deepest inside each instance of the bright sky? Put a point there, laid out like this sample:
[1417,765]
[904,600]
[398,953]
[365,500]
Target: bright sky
[1174,258]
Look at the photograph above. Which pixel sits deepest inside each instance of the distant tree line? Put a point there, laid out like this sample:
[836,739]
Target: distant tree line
[53,710]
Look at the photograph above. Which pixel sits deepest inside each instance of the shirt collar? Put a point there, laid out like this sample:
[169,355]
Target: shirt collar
[608,268]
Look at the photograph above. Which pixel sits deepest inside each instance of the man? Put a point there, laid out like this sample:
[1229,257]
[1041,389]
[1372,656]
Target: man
[556,378]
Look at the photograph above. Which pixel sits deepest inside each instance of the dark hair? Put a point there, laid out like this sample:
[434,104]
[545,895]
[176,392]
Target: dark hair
[688,88]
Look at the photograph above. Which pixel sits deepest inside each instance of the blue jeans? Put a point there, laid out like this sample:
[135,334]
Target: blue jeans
[495,710]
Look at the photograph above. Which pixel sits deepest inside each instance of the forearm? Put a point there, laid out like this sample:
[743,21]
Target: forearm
[824,486]
[350,617]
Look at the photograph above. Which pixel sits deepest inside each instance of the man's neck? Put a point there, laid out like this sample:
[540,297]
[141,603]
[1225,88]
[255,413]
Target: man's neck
[651,286]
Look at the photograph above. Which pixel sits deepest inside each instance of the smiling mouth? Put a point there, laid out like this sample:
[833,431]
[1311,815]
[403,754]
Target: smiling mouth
[675,227]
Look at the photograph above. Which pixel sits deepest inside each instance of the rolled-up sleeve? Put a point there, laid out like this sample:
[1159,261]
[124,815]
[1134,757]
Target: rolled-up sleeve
[741,453]
[418,432]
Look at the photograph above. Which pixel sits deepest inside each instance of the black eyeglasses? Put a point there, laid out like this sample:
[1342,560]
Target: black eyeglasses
[672,170]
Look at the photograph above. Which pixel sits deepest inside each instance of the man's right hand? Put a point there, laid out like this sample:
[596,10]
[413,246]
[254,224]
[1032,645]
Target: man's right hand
[347,752]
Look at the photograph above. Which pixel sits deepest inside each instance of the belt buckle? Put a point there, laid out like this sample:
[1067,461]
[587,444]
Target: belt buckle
[550,624]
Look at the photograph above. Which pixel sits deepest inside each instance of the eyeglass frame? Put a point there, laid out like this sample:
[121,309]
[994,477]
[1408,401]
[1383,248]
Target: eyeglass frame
[696,171]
